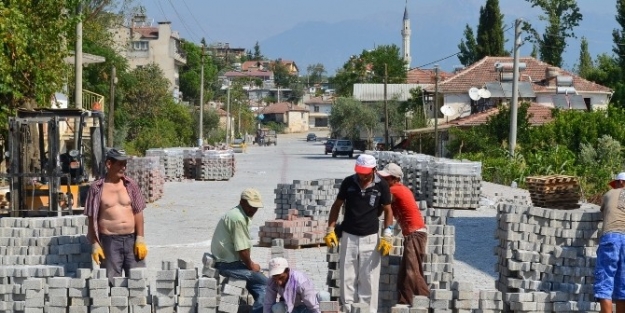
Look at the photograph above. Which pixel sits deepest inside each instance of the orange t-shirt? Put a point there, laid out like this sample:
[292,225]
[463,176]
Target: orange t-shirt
[406,209]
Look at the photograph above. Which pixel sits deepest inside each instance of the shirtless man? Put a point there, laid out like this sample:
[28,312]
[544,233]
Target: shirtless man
[115,209]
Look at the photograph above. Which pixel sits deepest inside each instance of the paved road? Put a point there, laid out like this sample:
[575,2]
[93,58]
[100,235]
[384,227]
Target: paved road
[180,225]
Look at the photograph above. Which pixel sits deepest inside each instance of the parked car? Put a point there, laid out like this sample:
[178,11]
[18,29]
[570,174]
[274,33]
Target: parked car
[311,137]
[329,145]
[343,147]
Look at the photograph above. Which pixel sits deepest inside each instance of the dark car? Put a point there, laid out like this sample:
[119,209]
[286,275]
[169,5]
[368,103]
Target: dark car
[343,147]
[311,137]
[329,145]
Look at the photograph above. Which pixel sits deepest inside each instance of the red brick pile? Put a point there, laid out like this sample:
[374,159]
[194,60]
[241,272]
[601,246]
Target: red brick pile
[295,230]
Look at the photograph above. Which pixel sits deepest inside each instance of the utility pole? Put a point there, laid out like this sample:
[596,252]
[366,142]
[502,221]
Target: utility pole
[200,141]
[387,143]
[111,116]
[436,148]
[515,87]
[228,117]
[78,70]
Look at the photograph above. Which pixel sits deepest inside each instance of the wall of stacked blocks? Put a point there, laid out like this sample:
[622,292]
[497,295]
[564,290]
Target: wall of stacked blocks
[545,257]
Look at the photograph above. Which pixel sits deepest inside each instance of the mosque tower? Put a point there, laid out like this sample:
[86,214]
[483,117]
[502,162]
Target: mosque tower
[405,33]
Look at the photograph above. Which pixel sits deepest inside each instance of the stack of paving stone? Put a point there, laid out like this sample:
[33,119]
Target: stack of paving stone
[302,210]
[149,175]
[548,256]
[414,166]
[138,291]
[189,162]
[454,184]
[295,231]
[164,296]
[214,165]
[172,161]
[49,241]
[99,292]
[23,288]
[187,287]
[231,291]
[554,191]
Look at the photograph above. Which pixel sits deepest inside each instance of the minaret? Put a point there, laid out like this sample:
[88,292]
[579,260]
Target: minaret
[405,34]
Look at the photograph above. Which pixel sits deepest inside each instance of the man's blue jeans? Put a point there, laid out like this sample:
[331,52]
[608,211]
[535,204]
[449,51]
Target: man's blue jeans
[256,281]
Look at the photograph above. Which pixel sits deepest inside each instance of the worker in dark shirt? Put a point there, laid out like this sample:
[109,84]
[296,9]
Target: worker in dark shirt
[366,196]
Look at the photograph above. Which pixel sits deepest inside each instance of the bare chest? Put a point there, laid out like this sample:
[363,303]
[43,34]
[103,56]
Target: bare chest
[115,195]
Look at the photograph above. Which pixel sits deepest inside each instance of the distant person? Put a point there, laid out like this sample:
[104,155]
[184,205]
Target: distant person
[115,207]
[296,290]
[410,279]
[366,196]
[610,266]
[231,247]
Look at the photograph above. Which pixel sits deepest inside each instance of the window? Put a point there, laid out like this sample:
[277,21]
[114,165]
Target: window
[316,108]
[140,45]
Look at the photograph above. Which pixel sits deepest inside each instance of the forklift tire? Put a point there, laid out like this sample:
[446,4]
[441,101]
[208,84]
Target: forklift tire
[334,155]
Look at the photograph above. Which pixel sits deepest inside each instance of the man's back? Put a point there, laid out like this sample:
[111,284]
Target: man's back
[231,235]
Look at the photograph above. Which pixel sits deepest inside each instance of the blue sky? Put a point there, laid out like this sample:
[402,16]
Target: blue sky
[437,25]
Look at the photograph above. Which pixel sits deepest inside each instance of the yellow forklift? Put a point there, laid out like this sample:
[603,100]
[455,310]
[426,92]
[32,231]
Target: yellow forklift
[53,155]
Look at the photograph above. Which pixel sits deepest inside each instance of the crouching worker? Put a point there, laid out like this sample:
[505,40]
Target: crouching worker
[296,290]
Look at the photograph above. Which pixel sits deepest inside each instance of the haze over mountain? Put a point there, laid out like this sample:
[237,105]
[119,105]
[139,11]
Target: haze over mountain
[328,32]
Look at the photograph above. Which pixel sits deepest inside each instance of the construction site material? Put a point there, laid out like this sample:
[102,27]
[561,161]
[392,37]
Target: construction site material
[214,165]
[171,159]
[149,175]
[554,191]
[443,183]
[302,210]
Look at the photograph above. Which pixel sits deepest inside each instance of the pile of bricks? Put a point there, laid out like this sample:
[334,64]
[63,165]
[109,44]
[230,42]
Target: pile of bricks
[546,257]
[148,173]
[45,241]
[189,163]
[302,210]
[554,191]
[171,159]
[443,183]
[214,165]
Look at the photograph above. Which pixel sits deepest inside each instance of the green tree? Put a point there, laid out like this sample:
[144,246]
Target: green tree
[585,65]
[315,73]
[490,37]
[190,74]
[468,47]
[257,56]
[349,117]
[210,119]
[561,17]
[369,67]
[618,35]
[534,53]
[414,109]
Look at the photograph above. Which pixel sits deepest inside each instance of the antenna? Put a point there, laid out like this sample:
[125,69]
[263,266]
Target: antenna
[447,110]
[474,94]
[483,93]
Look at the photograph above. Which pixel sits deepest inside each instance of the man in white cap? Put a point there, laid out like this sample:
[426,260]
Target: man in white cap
[366,196]
[231,246]
[610,266]
[410,279]
[296,290]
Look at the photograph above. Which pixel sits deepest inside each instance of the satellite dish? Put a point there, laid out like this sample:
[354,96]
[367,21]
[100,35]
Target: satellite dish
[483,93]
[474,94]
[447,110]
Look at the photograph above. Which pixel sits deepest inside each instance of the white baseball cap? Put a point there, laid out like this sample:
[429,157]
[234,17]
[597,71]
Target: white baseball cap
[620,176]
[365,163]
[391,169]
[277,266]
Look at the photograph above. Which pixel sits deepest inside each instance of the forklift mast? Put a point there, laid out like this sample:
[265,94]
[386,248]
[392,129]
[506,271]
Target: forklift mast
[41,176]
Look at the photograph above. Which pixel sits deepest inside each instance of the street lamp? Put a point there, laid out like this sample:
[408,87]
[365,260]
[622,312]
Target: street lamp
[201,135]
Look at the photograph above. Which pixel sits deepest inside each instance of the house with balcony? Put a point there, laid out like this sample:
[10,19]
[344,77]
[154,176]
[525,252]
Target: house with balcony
[143,43]
[319,109]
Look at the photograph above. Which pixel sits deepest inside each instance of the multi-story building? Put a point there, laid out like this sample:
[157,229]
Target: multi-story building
[142,43]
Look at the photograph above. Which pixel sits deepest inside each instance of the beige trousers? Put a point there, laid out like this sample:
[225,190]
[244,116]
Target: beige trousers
[359,270]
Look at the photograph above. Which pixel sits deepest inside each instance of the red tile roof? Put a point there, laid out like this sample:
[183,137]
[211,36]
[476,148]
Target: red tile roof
[282,107]
[147,32]
[484,71]
[319,100]
[253,73]
[425,76]
[538,115]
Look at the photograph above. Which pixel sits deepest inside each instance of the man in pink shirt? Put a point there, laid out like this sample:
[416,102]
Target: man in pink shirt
[296,290]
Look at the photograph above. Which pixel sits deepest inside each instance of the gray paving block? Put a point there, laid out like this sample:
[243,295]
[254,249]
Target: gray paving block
[98,283]
[160,301]
[185,264]
[228,307]
[80,301]
[137,283]
[187,274]
[205,282]
[120,281]
[100,302]
[166,275]
[99,293]
[138,301]
[118,301]
[78,309]
[57,301]
[140,309]
[102,309]
[207,302]
[119,292]
[138,273]
[58,282]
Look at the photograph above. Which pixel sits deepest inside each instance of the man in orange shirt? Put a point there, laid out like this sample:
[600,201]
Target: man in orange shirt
[410,280]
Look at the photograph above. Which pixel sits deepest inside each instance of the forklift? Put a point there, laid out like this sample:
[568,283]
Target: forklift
[43,179]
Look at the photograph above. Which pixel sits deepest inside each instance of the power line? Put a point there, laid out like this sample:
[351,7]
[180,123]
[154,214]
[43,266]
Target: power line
[196,21]
[182,21]
[161,8]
